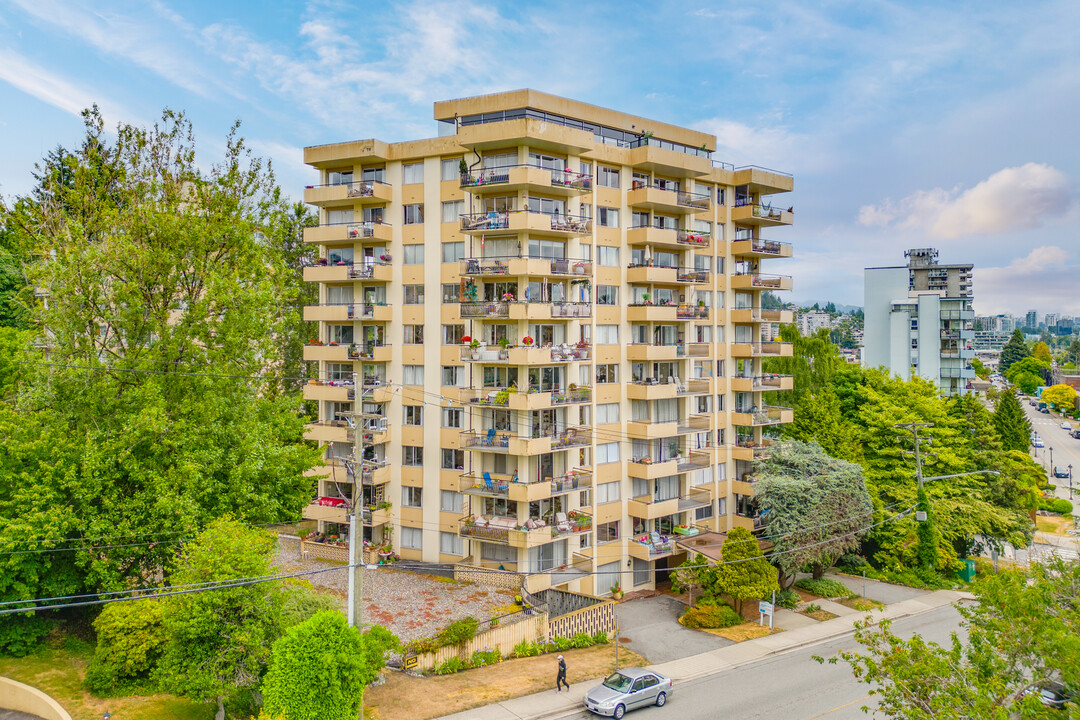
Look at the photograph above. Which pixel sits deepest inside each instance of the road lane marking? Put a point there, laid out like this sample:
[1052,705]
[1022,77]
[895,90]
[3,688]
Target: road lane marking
[839,707]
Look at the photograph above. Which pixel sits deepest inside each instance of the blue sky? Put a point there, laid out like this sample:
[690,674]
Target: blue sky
[949,125]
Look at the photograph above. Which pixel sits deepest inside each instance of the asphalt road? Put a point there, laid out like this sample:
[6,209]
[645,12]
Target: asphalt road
[1066,449]
[787,687]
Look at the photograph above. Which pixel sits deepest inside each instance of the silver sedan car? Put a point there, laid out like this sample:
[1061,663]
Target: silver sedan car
[628,689]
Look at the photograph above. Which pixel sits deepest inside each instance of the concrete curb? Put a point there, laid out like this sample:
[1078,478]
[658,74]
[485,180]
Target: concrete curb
[530,707]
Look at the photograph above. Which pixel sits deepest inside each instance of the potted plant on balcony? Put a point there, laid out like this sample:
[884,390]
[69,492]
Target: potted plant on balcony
[527,341]
[646,298]
[386,257]
[508,297]
[504,343]
[466,339]
[616,592]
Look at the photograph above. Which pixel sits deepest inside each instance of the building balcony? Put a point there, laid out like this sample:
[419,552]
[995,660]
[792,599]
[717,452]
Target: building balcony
[526,401]
[531,490]
[696,460]
[644,548]
[757,281]
[530,532]
[534,223]
[693,239]
[757,315]
[656,237]
[541,310]
[483,181]
[648,312]
[649,197]
[329,390]
[375,516]
[645,352]
[374,472]
[328,431]
[366,192]
[763,180]
[650,429]
[761,350]
[375,390]
[696,423]
[482,309]
[341,312]
[761,215]
[485,354]
[965,353]
[648,469]
[648,507]
[758,248]
[327,509]
[693,312]
[748,449]
[762,383]
[666,275]
[761,416]
[377,270]
[356,232]
[512,266]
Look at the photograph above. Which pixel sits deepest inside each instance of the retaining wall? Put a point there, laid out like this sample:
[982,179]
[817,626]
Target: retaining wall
[23,698]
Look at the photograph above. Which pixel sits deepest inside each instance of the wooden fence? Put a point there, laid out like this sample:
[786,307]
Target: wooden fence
[502,638]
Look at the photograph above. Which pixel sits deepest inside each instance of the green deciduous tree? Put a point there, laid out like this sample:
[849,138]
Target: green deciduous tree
[1041,351]
[218,642]
[1013,351]
[744,573]
[1023,633]
[815,508]
[1011,423]
[320,667]
[1061,396]
[1029,366]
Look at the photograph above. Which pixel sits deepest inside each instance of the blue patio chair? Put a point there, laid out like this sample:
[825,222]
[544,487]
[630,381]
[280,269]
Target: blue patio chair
[490,437]
[489,484]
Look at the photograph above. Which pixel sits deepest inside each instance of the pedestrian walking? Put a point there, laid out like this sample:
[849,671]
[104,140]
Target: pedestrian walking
[560,679]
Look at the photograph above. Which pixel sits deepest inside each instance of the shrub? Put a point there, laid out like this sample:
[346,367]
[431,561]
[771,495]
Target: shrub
[527,649]
[825,588]
[458,632]
[130,642]
[600,638]
[451,666]
[581,640]
[812,608]
[788,599]
[1060,506]
[480,658]
[710,616]
[851,563]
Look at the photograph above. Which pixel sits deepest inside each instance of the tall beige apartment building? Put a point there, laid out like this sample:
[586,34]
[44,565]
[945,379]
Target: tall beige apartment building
[552,311]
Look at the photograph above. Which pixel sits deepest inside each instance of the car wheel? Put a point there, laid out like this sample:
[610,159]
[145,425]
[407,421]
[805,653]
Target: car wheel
[619,712]
[661,700]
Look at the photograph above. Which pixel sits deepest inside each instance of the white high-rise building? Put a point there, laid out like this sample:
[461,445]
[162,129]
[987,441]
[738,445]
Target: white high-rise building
[919,320]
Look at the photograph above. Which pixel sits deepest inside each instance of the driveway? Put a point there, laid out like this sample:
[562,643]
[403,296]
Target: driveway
[886,593]
[651,628]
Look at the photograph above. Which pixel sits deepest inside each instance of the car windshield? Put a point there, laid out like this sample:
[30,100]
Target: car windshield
[618,682]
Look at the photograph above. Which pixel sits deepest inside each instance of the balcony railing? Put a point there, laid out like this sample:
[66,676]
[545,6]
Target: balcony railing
[495,220]
[361,230]
[692,312]
[490,529]
[501,175]
[572,437]
[694,461]
[569,178]
[692,275]
[474,309]
[771,381]
[570,353]
[757,280]
[571,266]
[767,247]
[366,270]
[571,309]
[485,354]
[764,415]
[760,210]
[355,189]
[485,440]
[581,395]
[696,239]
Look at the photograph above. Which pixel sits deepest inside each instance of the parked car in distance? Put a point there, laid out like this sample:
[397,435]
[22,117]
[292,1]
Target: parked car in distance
[1037,442]
[1066,426]
[1061,472]
[628,689]
[1044,410]
[1052,695]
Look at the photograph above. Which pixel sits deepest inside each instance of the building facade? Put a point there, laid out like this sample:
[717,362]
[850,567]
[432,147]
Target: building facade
[552,314]
[919,321]
[810,321]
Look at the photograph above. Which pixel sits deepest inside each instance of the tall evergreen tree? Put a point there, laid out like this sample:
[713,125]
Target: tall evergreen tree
[1012,424]
[1014,351]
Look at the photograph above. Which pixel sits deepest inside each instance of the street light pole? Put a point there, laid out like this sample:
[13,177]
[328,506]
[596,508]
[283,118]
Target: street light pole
[1070,482]
[1051,460]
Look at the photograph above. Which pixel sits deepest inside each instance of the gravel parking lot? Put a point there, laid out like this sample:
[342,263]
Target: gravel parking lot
[408,604]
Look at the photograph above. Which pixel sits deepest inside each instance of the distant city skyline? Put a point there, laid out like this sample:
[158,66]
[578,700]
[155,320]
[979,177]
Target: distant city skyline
[906,124]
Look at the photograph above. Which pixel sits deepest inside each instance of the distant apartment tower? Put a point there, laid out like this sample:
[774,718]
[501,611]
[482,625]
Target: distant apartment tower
[1031,321]
[813,320]
[919,320]
[553,314]
[1051,319]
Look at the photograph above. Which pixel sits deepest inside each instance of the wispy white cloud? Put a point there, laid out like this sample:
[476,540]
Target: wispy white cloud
[1015,198]
[51,88]
[1045,279]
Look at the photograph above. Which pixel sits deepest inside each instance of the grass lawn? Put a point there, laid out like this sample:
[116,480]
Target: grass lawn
[744,631]
[404,696]
[1054,524]
[57,669]
[860,603]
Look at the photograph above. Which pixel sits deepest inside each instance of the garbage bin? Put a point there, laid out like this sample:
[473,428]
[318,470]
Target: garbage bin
[967,573]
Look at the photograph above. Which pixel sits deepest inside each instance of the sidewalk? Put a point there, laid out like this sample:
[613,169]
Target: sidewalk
[549,705]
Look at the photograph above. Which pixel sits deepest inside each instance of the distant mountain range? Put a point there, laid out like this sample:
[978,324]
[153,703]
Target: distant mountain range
[840,307]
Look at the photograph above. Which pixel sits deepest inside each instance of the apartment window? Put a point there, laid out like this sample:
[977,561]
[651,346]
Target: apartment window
[339,371]
[453,459]
[607,453]
[703,226]
[451,417]
[452,210]
[412,374]
[451,544]
[413,497]
[412,174]
[555,249]
[497,553]
[720,265]
[586,252]
[607,334]
[414,214]
[453,375]
[412,538]
[585,168]
[721,507]
[607,176]
[607,532]
[414,294]
[413,414]
[607,413]
[607,492]
[607,256]
[607,217]
[414,254]
[450,169]
[339,217]
[339,256]
[704,513]
[452,251]
[607,295]
[704,296]
[452,334]
[414,335]
[914,344]
[607,373]
[719,403]
[412,455]
[720,195]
